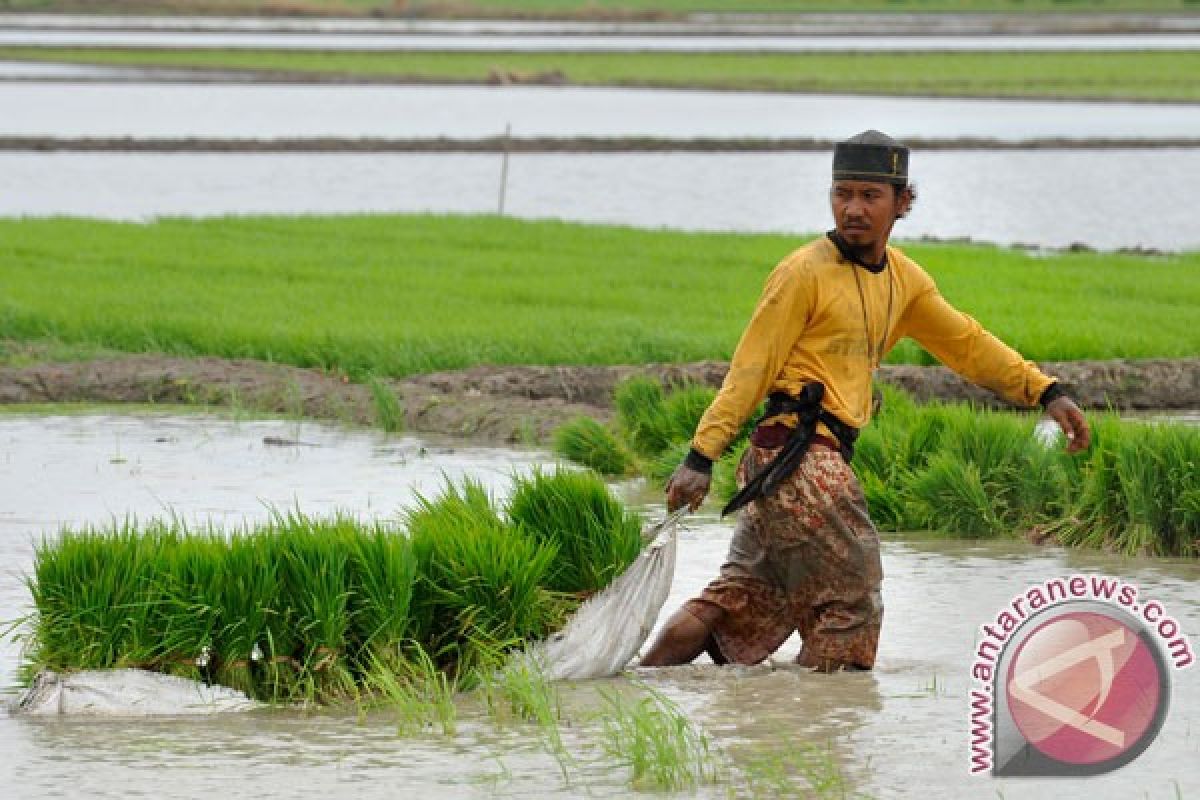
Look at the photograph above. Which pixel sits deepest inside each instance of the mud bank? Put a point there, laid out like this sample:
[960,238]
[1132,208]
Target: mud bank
[546,144]
[515,404]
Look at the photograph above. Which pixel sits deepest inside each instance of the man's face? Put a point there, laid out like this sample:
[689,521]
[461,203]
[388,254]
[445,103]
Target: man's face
[864,211]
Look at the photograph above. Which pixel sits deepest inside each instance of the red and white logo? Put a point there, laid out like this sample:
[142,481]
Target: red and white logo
[1085,688]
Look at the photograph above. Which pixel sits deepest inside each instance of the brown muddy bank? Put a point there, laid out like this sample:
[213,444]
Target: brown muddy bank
[498,404]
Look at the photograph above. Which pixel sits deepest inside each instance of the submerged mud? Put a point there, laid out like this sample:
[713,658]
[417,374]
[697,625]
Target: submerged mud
[516,403]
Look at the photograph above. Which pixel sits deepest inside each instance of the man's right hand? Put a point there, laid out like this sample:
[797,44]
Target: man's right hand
[687,487]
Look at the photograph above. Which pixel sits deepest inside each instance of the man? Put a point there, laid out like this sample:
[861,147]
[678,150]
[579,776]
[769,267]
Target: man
[805,555]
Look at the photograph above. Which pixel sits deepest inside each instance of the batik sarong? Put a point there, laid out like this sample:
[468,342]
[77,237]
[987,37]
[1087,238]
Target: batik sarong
[805,558]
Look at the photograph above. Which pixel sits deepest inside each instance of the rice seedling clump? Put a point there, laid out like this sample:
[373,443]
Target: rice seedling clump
[594,538]
[329,609]
[585,441]
[478,578]
[973,472]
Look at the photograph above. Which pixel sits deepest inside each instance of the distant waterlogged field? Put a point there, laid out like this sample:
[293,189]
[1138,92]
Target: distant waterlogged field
[1139,75]
[405,294]
[568,8]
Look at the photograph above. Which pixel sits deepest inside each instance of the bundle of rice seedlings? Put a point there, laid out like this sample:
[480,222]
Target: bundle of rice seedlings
[381,570]
[194,567]
[919,440]
[652,420]
[1157,468]
[92,609]
[1099,509]
[683,407]
[949,496]
[75,581]
[249,587]
[313,563]
[640,415]
[585,441]
[477,577]
[142,613]
[574,514]
[885,503]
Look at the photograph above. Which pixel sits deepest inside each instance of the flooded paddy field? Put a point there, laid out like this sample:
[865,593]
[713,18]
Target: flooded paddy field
[272,111]
[900,731]
[1050,198]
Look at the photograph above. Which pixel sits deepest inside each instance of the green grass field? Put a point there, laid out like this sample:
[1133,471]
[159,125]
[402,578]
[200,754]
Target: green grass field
[1144,75]
[399,294]
[585,8]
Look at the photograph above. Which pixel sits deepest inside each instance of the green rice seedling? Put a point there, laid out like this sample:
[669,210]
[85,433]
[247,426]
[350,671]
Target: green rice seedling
[1157,469]
[920,439]
[885,502]
[520,690]
[897,408]
[421,693]
[389,412]
[91,600]
[656,742]
[803,770]
[641,416]
[477,577]
[1116,75]
[949,496]
[872,455]
[382,570]
[250,603]
[313,562]
[585,441]
[195,564]
[573,512]
[73,587]
[683,407]
[652,420]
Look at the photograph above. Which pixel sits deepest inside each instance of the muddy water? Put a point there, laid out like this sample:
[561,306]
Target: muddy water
[1040,201]
[896,732]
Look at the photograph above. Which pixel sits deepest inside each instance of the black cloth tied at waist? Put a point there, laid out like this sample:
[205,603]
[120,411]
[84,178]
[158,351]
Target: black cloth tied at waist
[808,410]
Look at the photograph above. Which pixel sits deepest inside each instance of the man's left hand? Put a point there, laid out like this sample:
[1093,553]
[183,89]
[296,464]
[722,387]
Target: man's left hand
[1068,416]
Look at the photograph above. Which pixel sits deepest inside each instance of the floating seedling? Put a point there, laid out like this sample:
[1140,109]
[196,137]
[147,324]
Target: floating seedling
[655,740]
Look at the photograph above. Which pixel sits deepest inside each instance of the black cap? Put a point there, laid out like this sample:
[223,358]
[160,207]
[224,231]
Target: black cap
[871,156]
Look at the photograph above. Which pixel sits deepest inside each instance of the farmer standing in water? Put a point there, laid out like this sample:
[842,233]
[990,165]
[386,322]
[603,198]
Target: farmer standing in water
[805,556]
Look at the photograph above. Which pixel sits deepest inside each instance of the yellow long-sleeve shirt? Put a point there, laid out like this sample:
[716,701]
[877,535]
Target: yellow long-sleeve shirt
[809,326]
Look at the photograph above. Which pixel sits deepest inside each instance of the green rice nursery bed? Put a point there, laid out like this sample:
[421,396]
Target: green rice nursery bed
[952,468]
[333,609]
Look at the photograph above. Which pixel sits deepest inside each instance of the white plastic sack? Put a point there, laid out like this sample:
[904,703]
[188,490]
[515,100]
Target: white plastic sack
[125,693]
[607,631]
